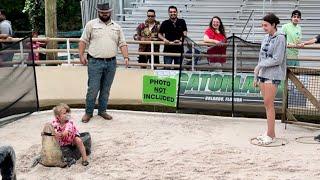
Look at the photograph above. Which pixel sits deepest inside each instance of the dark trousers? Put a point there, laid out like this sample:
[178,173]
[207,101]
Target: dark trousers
[7,163]
[146,59]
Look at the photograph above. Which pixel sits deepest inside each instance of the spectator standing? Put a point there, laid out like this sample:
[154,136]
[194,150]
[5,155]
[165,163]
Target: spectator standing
[148,31]
[215,34]
[171,32]
[269,72]
[103,37]
[294,34]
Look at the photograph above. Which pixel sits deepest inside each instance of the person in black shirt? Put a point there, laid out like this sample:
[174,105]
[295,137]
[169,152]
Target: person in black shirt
[312,41]
[171,32]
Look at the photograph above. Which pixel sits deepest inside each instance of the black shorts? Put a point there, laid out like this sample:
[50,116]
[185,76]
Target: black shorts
[266,80]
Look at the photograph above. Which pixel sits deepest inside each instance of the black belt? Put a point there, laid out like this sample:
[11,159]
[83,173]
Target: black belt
[102,59]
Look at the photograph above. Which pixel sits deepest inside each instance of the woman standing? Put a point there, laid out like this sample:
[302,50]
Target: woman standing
[215,34]
[269,72]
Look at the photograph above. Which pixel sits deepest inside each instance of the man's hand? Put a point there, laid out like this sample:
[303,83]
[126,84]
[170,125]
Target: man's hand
[83,60]
[177,41]
[166,41]
[300,44]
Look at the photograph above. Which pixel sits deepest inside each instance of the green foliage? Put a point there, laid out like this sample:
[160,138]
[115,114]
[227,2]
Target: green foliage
[26,15]
[68,14]
[18,19]
[35,11]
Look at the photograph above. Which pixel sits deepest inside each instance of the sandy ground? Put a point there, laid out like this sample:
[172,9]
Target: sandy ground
[138,145]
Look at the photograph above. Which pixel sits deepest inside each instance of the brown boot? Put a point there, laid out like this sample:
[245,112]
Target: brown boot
[106,116]
[86,118]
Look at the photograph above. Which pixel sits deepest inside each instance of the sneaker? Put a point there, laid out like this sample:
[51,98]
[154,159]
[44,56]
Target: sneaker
[317,138]
[86,118]
[267,140]
[105,116]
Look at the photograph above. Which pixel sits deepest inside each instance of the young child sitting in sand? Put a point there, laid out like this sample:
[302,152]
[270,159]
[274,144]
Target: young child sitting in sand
[66,131]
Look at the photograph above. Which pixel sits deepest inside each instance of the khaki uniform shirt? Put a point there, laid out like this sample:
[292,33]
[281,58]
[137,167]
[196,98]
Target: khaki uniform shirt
[103,39]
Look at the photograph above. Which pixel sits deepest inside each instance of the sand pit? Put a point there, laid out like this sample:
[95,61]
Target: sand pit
[143,145]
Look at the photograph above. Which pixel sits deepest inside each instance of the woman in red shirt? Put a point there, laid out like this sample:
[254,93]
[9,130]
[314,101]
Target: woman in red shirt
[215,34]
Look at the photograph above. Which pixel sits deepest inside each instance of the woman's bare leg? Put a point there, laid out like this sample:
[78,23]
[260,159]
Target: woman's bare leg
[269,91]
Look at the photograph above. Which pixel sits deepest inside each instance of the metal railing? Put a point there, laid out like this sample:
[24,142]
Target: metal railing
[152,65]
[245,26]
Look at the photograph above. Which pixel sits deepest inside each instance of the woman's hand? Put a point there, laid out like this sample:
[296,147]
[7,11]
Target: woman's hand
[256,71]
[255,83]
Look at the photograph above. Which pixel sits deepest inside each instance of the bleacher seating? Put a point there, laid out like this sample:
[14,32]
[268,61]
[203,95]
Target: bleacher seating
[234,14]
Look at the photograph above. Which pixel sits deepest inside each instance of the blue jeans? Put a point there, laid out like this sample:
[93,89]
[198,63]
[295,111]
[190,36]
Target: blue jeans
[100,77]
[169,59]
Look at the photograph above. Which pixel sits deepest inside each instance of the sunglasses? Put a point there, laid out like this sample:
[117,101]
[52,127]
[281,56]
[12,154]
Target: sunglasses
[151,16]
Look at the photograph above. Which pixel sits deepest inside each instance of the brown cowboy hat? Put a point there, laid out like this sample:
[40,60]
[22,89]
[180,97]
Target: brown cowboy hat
[103,7]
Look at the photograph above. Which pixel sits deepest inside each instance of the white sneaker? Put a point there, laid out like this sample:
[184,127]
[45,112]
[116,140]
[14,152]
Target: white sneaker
[266,140]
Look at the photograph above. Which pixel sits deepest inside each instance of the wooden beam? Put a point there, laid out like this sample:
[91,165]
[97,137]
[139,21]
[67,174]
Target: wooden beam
[305,70]
[307,125]
[51,25]
[290,116]
[285,100]
[303,90]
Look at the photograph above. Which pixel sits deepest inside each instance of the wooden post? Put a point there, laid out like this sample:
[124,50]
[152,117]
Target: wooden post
[314,101]
[51,26]
[285,99]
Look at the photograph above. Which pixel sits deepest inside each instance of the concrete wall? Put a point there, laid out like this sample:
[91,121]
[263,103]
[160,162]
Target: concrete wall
[69,84]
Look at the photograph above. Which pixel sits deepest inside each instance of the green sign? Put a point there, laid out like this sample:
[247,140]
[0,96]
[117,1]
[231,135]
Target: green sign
[159,90]
[217,87]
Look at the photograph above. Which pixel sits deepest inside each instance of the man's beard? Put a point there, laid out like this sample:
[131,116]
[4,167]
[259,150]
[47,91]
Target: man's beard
[104,19]
[173,17]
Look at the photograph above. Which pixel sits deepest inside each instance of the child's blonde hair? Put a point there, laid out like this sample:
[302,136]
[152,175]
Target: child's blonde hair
[57,109]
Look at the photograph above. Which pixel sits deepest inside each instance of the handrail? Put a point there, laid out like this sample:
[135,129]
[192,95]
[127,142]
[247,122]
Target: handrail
[69,51]
[249,33]
[201,43]
[77,40]
[245,26]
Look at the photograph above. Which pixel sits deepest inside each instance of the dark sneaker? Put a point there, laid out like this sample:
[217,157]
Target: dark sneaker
[86,118]
[105,116]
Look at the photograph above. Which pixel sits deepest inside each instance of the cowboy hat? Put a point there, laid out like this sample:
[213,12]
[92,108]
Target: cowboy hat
[103,7]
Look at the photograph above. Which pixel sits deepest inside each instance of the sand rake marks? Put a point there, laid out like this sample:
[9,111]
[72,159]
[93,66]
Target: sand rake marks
[308,139]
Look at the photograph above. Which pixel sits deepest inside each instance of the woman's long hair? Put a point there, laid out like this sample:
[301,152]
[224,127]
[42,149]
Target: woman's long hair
[221,27]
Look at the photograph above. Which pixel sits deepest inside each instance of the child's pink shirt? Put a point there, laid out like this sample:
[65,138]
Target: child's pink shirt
[68,126]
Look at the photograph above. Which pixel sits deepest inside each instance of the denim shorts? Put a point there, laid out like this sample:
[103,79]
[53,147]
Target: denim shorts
[266,80]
